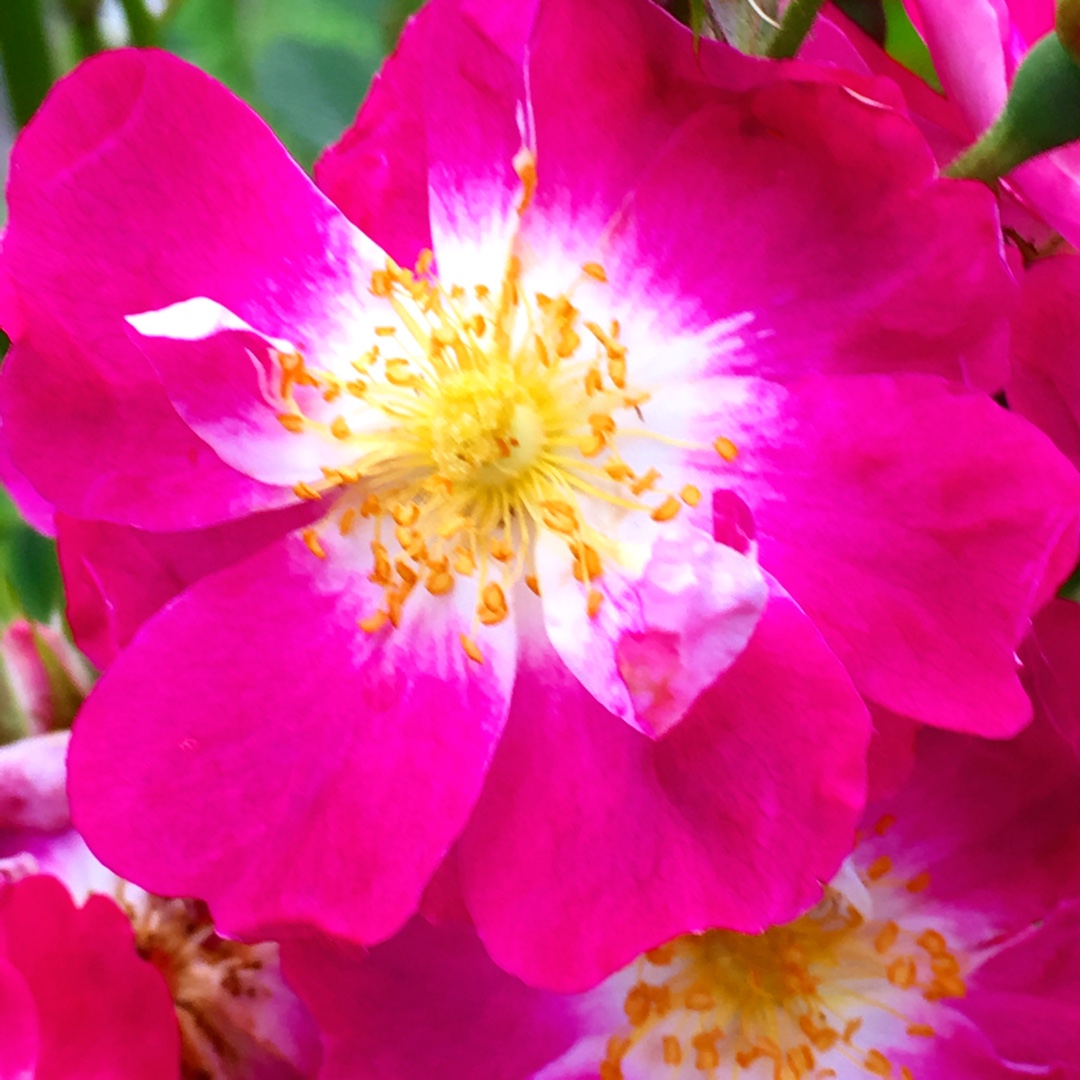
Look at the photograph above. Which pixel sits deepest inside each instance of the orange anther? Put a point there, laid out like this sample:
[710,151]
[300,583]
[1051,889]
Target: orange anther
[672,1050]
[924,1031]
[637,1005]
[946,986]
[339,428]
[690,495]
[602,423]
[385,331]
[902,972]
[877,1063]
[919,882]
[593,602]
[381,285]
[699,999]
[726,448]
[568,341]
[619,471]
[524,162]
[404,514]
[348,519]
[440,583]
[501,550]
[306,491]
[424,260]
[398,374]
[666,510]
[644,483]
[311,538]
[533,583]
[591,445]
[945,965]
[594,381]
[933,942]
[291,422]
[464,563]
[559,516]
[885,824]
[492,608]
[586,561]
[356,387]
[331,393]
[374,622]
[406,572]
[595,271]
[879,868]
[472,650]
[851,1029]
[886,937]
[371,506]
[616,370]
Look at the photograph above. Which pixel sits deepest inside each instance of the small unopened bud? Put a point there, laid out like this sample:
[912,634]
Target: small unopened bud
[43,680]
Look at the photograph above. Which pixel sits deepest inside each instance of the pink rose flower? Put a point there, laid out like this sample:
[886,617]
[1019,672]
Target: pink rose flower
[945,950]
[219,1007]
[564,551]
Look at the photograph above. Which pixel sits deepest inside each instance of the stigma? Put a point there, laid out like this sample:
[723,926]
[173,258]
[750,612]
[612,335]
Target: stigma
[808,1000]
[476,420]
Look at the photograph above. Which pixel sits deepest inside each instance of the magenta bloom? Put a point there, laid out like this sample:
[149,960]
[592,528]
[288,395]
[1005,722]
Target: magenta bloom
[946,949]
[76,999]
[551,523]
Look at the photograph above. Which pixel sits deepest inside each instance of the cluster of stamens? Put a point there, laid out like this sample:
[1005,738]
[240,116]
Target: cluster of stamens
[214,982]
[781,1004]
[478,418]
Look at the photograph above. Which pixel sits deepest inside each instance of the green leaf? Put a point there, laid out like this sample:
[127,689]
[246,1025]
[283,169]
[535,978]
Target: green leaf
[904,44]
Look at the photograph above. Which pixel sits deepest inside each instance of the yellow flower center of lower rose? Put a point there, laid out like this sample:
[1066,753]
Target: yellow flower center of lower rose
[478,418]
[793,1003]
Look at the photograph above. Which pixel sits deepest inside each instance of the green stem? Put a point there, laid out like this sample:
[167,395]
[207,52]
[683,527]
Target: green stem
[24,48]
[798,17]
[989,159]
[142,26]
[84,22]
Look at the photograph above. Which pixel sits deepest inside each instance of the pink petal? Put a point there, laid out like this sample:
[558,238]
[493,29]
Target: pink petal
[1027,997]
[19,1023]
[475,123]
[143,164]
[660,637]
[222,378]
[836,251]
[1050,670]
[34,509]
[994,824]
[32,783]
[116,577]
[429,1003]
[966,44]
[592,843]
[103,1011]
[287,766]
[1045,382]
[915,524]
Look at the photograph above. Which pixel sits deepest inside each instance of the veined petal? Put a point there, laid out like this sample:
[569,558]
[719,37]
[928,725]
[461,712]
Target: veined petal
[355,756]
[733,818]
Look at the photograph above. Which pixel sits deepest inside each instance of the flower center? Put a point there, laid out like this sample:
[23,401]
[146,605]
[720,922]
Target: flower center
[801,1001]
[215,983]
[477,419]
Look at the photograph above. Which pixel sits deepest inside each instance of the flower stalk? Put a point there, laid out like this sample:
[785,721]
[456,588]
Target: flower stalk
[798,17]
